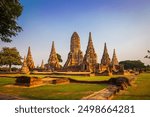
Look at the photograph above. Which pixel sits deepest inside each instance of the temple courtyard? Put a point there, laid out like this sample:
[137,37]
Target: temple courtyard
[78,88]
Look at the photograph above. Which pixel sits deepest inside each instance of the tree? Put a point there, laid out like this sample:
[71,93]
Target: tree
[147,56]
[147,68]
[59,58]
[10,56]
[10,10]
[131,64]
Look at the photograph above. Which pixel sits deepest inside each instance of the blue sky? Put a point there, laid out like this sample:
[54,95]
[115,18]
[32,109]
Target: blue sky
[122,24]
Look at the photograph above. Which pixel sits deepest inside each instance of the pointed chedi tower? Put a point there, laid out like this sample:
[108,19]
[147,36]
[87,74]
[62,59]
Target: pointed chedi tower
[90,57]
[115,64]
[24,68]
[105,58]
[30,62]
[75,56]
[104,67]
[42,65]
[53,61]
[114,59]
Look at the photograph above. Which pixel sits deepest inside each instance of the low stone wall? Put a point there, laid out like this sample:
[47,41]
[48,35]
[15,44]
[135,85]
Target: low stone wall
[56,81]
[28,81]
[34,81]
[104,94]
[116,84]
[73,73]
[88,82]
[65,73]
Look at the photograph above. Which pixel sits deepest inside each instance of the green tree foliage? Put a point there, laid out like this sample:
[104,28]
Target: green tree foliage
[10,56]
[10,10]
[147,56]
[132,64]
[147,68]
[59,58]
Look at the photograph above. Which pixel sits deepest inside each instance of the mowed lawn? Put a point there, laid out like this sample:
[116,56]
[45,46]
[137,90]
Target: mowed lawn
[84,78]
[139,91]
[52,92]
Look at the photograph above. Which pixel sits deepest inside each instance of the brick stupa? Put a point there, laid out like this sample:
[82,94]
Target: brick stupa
[30,62]
[42,65]
[53,61]
[115,64]
[90,57]
[24,68]
[105,61]
[105,65]
[114,59]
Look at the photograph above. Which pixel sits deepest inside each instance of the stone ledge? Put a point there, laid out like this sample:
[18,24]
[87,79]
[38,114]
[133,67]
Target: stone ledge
[116,84]
[104,94]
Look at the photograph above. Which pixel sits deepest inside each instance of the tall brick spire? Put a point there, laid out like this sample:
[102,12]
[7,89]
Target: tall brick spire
[42,65]
[90,57]
[105,58]
[75,56]
[24,68]
[53,60]
[30,62]
[114,59]
[75,42]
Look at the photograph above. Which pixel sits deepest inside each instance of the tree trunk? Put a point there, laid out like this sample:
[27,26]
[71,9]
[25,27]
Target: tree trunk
[10,67]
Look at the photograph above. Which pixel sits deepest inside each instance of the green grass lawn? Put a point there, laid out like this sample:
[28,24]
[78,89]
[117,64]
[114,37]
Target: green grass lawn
[139,91]
[89,78]
[60,91]
[86,78]
[74,91]
[15,75]
[80,78]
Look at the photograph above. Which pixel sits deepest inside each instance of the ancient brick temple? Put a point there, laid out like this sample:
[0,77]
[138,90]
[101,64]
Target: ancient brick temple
[24,68]
[107,66]
[88,63]
[114,61]
[90,57]
[53,62]
[75,56]
[76,62]
[30,62]
[105,61]
[42,65]
[115,67]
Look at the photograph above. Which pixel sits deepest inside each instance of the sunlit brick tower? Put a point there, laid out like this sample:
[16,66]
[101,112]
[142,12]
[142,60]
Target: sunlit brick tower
[75,56]
[114,59]
[24,68]
[53,61]
[30,62]
[105,61]
[105,65]
[90,57]
[115,64]
[42,65]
